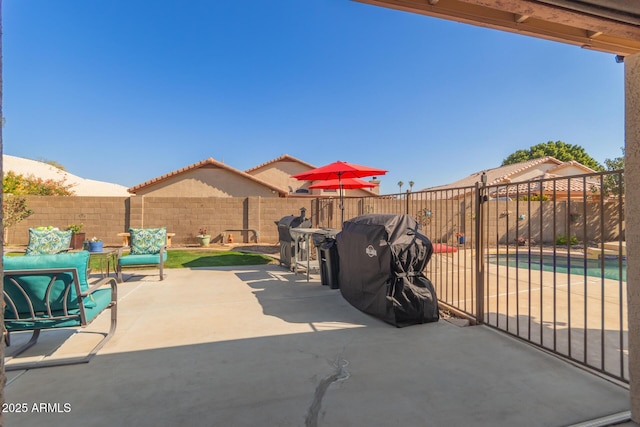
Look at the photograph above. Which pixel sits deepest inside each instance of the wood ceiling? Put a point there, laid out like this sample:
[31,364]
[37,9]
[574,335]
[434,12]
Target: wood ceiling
[605,25]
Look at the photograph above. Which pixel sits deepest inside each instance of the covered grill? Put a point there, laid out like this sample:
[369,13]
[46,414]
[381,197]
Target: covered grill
[285,225]
[381,263]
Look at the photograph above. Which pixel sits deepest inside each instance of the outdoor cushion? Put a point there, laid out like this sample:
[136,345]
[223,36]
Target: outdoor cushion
[36,286]
[42,292]
[48,241]
[101,298]
[142,259]
[147,240]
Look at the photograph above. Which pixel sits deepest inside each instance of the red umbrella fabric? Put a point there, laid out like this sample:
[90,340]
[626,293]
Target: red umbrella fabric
[339,170]
[346,183]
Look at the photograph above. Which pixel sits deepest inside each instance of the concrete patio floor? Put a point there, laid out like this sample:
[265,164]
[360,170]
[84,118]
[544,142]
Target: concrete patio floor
[259,345]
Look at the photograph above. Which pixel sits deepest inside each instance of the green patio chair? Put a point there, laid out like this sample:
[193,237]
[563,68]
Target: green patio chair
[51,291]
[148,247]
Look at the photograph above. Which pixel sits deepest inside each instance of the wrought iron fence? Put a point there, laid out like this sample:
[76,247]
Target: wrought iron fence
[542,260]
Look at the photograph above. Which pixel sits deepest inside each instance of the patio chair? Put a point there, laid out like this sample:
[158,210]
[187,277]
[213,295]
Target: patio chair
[48,241]
[147,248]
[51,291]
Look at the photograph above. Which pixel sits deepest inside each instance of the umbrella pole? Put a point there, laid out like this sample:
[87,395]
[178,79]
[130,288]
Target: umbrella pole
[341,207]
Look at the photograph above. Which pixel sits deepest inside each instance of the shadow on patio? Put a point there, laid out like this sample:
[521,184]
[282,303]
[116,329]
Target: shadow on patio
[260,346]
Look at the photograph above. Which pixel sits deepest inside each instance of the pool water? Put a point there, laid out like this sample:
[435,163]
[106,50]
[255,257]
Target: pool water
[609,268]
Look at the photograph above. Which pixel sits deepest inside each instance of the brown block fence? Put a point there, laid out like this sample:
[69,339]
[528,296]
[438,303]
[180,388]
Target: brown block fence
[105,217]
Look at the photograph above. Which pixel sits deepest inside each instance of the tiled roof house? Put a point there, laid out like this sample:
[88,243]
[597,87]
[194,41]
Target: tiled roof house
[211,178]
[279,172]
[532,170]
[207,178]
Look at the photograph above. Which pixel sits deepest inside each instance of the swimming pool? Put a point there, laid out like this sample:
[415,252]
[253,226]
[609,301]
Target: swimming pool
[564,264]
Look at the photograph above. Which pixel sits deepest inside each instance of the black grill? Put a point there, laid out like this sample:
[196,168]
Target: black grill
[285,225]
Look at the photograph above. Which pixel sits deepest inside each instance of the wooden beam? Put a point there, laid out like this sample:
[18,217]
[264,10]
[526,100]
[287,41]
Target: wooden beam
[470,12]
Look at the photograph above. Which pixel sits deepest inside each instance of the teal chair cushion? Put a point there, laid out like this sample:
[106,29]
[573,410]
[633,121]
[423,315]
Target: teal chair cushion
[148,259]
[36,285]
[48,241]
[147,240]
[101,299]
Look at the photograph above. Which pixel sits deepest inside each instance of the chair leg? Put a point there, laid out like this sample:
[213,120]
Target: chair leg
[32,341]
[68,360]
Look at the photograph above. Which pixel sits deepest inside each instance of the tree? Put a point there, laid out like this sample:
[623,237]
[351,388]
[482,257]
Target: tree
[14,210]
[19,184]
[613,184]
[411,184]
[400,184]
[558,149]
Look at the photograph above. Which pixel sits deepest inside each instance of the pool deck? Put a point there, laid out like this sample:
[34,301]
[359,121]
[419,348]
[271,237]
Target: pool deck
[261,346]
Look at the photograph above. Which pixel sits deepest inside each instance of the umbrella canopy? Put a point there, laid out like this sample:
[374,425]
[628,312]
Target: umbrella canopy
[346,183]
[338,170]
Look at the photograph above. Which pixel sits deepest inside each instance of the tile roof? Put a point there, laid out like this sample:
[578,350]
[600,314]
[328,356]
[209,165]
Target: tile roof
[204,163]
[502,174]
[560,185]
[284,157]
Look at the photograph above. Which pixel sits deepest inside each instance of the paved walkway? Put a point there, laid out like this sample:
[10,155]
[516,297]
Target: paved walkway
[260,346]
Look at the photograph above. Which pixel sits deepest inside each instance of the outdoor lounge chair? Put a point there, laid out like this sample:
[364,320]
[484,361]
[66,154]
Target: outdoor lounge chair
[48,241]
[52,291]
[148,248]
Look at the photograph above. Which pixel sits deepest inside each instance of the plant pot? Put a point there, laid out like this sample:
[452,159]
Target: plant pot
[204,240]
[95,246]
[77,240]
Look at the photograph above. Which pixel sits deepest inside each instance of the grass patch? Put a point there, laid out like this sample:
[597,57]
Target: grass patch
[199,258]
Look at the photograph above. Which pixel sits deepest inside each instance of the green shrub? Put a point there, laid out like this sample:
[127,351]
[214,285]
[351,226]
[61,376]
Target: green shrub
[561,240]
[535,198]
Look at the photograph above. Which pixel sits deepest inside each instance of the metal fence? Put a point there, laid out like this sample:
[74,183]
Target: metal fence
[543,260]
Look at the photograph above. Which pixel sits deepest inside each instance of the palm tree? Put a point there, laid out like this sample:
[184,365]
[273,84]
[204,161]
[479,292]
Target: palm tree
[400,184]
[411,185]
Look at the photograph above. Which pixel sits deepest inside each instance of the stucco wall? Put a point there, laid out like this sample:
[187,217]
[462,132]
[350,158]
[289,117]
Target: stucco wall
[632,177]
[207,182]
[279,174]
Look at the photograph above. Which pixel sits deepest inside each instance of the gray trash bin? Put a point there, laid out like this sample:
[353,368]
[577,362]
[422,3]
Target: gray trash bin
[327,259]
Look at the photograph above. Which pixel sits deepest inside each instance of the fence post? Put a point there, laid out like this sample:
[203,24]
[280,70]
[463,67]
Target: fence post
[407,202]
[479,248]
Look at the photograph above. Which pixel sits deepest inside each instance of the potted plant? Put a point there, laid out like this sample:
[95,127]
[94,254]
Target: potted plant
[78,237]
[203,238]
[95,244]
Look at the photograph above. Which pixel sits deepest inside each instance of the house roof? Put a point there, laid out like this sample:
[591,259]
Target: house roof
[508,173]
[283,158]
[202,164]
[80,186]
[498,175]
[289,158]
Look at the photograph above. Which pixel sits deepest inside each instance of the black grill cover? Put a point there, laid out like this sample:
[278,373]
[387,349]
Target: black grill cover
[382,258]
[286,223]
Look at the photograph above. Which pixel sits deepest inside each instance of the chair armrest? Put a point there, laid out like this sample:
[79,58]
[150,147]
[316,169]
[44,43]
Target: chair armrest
[101,283]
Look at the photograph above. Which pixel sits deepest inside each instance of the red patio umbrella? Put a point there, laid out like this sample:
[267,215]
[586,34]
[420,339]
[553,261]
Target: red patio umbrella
[346,183]
[339,171]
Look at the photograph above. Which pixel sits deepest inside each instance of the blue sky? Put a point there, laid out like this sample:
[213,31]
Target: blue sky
[126,90]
